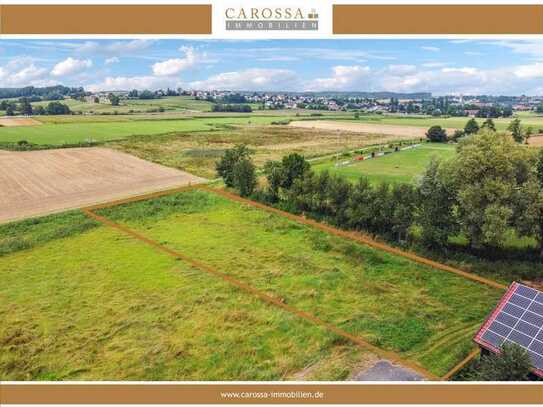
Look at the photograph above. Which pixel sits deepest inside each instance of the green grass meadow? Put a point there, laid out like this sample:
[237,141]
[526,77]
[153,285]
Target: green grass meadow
[426,315]
[398,167]
[70,133]
[82,301]
[92,304]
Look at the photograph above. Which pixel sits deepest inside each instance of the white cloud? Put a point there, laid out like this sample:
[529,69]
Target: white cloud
[174,66]
[431,49]
[434,64]
[343,77]
[112,60]
[117,48]
[529,71]
[132,82]
[70,66]
[22,71]
[466,70]
[533,48]
[250,79]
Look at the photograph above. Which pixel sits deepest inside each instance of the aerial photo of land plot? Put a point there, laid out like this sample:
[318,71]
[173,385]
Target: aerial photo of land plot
[312,210]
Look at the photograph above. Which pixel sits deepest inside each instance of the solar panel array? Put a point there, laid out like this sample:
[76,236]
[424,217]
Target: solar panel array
[518,319]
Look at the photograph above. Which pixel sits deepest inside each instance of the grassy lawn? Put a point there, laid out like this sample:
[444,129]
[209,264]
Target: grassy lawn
[403,166]
[79,301]
[428,316]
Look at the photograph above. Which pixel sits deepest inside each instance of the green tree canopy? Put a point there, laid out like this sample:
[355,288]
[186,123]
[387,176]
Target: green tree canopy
[471,127]
[436,134]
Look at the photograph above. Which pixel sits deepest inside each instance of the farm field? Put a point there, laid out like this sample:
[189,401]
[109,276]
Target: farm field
[80,301]
[426,315]
[536,121]
[41,182]
[381,128]
[168,103]
[70,133]
[403,166]
[197,152]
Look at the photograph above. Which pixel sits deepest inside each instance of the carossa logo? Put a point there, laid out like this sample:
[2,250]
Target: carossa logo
[271,18]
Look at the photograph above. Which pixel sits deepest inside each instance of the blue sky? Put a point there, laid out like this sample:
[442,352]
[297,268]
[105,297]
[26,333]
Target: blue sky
[508,67]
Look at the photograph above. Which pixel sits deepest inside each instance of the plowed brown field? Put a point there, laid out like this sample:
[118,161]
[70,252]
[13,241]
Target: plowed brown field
[41,182]
[400,131]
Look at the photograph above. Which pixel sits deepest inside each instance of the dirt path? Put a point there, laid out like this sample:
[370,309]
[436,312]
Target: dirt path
[403,131]
[42,182]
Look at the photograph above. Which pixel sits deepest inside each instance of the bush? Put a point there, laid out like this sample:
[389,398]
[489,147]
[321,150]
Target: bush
[436,134]
[511,364]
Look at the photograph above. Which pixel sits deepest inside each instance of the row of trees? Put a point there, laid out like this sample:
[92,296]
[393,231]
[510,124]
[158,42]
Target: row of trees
[519,133]
[492,188]
[24,107]
[56,92]
[219,107]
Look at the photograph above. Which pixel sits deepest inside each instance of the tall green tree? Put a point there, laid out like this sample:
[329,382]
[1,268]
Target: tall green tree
[436,134]
[244,177]
[225,166]
[488,124]
[294,167]
[273,170]
[471,127]
[515,127]
[435,206]
[486,173]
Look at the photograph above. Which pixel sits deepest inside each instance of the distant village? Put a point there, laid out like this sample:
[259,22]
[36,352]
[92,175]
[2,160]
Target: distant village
[378,102]
[18,101]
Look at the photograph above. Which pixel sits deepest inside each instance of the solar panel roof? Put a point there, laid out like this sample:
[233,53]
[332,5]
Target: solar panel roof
[518,318]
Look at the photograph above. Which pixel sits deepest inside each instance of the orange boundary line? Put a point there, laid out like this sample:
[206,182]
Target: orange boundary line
[461,365]
[138,198]
[321,226]
[358,237]
[393,356]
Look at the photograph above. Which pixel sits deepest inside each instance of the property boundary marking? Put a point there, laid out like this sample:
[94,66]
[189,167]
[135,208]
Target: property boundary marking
[358,237]
[472,355]
[393,356]
[355,236]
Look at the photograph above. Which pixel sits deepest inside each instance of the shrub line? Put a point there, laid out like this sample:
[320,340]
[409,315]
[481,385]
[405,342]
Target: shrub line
[393,356]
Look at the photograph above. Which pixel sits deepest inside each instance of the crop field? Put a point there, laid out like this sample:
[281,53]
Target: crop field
[77,132]
[197,152]
[402,166]
[535,121]
[84,301]
[41,182]
[169,103]
[361,127]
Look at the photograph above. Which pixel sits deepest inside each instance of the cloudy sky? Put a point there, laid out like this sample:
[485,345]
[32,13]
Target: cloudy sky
[505,67]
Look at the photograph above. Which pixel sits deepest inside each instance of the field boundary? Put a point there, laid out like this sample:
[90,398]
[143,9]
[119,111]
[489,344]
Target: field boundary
[355,236]
[390,355]
[358,237]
